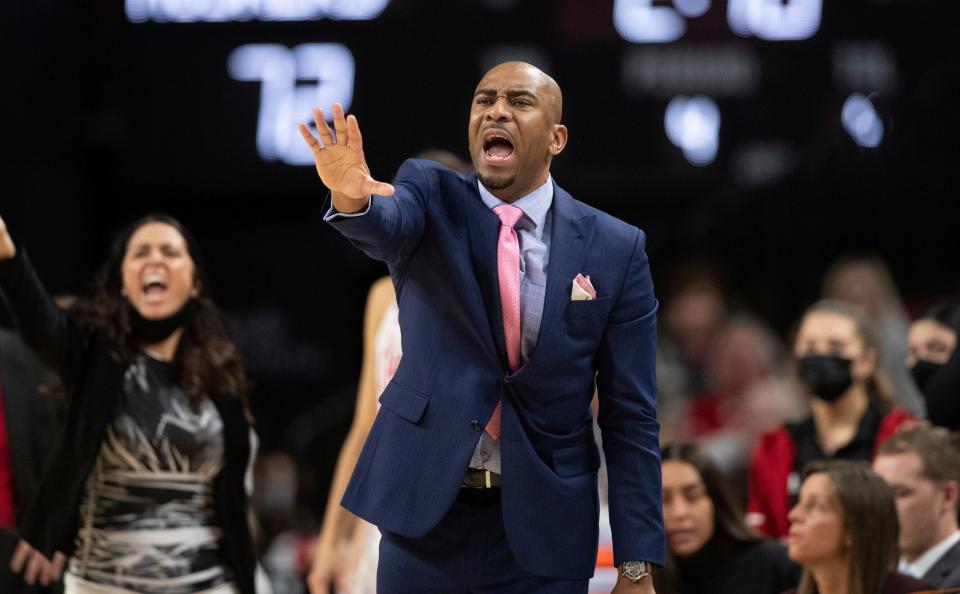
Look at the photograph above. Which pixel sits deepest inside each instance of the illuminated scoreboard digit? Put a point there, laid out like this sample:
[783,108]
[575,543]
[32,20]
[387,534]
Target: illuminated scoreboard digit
[285,100]
[329,68]
[640,21]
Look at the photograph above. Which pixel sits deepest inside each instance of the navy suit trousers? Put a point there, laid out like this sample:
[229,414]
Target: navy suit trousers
[467,553]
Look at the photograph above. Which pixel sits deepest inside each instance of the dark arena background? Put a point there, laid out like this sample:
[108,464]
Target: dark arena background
[761,138]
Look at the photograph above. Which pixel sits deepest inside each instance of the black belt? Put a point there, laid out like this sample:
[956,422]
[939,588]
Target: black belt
[481,479]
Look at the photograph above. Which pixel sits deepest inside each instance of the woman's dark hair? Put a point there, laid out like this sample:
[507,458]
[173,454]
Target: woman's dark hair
[728,516]
[879,387]
[730,530]
[944,312]
[869,520]
[207,362]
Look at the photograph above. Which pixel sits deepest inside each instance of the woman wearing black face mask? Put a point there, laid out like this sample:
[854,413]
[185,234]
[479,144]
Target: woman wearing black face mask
[934,362]
[147,492]
[851,411]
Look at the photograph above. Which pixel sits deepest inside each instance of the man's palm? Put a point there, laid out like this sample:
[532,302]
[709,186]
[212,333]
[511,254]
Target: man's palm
[339,159]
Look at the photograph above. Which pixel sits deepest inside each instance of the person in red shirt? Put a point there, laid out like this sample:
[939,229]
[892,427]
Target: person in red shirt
[851,406]
[28,432]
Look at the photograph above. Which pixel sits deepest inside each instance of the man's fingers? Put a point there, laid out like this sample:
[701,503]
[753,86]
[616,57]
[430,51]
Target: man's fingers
[354,139]
[20,556]
[322,128]
[309,137]
[340,125]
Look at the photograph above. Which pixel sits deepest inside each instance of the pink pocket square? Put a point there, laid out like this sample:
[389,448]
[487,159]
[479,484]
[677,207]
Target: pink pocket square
[582,289]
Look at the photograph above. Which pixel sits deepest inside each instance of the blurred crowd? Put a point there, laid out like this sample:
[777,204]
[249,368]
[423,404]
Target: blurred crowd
[748,412]
[790,459]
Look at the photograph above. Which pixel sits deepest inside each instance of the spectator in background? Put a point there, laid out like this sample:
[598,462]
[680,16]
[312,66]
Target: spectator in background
[694,310]
[865,280]
[286,538]
[851,404]
[844,532]
[744,396]
[741,353]
[710,548]
[922,466]
[28,434]
[346,550]
[934,362]
[148,485]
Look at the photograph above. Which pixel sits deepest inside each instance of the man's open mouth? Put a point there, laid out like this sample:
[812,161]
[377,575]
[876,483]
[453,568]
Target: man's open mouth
[497,148]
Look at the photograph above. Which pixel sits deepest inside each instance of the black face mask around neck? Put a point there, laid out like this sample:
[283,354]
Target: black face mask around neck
[827,377]
[150,331]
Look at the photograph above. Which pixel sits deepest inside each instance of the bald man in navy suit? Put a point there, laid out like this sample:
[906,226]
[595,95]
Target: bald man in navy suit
[516,300]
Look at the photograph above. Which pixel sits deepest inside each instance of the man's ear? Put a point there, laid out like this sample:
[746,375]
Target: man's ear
[951,495]
[559,139]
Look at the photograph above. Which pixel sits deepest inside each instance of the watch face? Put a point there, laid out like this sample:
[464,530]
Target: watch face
[633,570]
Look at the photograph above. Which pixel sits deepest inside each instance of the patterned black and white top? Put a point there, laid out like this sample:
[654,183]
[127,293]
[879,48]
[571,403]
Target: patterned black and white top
[147,521]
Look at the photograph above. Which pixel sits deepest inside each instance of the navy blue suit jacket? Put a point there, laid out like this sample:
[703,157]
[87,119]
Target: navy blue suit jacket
[440,243]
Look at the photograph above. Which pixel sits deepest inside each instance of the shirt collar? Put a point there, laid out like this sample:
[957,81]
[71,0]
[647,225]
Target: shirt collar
[926,561]
[534,205]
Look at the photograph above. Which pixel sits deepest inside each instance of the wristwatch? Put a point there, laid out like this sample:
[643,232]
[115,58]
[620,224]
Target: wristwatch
[635,570]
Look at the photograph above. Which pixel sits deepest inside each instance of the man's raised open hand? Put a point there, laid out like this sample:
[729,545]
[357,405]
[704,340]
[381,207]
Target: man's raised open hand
[340,162]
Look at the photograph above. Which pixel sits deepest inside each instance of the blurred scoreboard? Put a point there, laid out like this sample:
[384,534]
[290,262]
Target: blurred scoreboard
[668,85]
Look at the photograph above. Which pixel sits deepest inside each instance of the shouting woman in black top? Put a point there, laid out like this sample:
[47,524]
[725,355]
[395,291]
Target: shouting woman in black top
[710,548]
[147,492]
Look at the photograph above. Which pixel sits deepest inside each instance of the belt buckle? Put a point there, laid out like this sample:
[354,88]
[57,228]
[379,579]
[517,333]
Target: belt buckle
[480,478]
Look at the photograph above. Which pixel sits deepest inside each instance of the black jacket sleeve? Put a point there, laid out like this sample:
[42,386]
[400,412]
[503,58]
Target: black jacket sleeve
[46,329]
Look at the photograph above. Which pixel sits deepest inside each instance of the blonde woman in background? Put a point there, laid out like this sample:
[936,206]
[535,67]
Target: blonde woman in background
[346,550]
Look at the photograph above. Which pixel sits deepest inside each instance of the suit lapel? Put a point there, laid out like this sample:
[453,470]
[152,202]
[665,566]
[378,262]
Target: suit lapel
[569,238]
[946,564]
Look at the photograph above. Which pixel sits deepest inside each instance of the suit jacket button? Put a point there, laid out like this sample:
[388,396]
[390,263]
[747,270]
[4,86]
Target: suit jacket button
[477,426]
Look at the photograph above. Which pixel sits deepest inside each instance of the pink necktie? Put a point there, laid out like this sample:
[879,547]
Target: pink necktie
[508,269]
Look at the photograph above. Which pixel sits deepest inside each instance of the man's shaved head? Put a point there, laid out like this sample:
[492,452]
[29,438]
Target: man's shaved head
[515,130]
[547,85]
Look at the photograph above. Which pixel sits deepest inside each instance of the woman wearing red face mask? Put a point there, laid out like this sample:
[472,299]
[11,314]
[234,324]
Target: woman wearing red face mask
[147,493]
[850,406]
